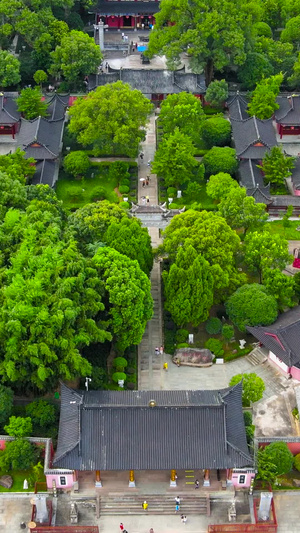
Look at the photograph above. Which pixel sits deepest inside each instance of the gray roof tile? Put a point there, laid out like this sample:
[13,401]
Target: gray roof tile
[40,138]
[110,430]
[237,106]
[251,132]
[125,8]
[45,173]
[283,337]
[289,110]
[8,110]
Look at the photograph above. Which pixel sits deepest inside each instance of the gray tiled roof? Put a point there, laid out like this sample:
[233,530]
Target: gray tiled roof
[282,200]
[150,81]
[45,173]
[40,138]
[125,8]
[109,430]
[287,330]
[8,110]
[261,194]
[237,106]
[57,105]
[247,133]
[250,175]
[289,110]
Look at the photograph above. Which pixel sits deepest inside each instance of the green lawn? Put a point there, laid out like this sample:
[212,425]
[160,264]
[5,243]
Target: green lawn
[18,477]
[94,186]
[289,233]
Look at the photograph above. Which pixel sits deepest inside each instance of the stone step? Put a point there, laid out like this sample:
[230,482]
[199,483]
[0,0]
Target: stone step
[120,505]
[256,357]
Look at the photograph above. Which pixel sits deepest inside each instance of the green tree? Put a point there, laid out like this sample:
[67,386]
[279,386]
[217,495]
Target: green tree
[266,469]
[16,166]
[280,55]
[219,185]
[30,103]
[220,160]
[253,387]
[291,32]
[77,163]
[9,69]
[103,222]
[174,159]
[215,346]
[12,194]
[251,305]
[294,79]
[279,454]
[262,29]
[40,77]
[216,132]
[263,250]
[212,33]
[19,454]
[183,111]
[189,288]
[217,92]
[286,217]
[75,57]
[111,118]
[276,166]
[263,102]
[256,67]
[282,287]
[6,403]
[42,413]
[241,211]
[128,297]
[227,332]
[19,426]
[209,234]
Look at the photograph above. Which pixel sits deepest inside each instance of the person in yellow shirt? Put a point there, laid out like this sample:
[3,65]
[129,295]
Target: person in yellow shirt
[145,505]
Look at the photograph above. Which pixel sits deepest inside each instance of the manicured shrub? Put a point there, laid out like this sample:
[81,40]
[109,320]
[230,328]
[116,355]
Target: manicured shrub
[220,160]
[118,376]
[297,462]
[182,335]
[124,189]
[19,454]
[182,345]
[215,346]
[77,163]
[120,363]
[130,385]
[213,326]
[173,206]
[125,181]
[99,194]
[19,426]
[171,192]
[279,454]
[124,205]
[216,132]
[227,332]
[253,387]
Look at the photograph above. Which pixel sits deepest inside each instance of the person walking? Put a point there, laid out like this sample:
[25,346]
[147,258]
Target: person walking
[161,350]
[145,505]
[151,530]
[176,508]
[165,367]
[184,519]
[177,500]
[121,527]
[157,351]
[196,484]
[142,155]
[144,183]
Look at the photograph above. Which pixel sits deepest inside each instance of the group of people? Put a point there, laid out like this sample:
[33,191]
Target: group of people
[159,350]
[177,508]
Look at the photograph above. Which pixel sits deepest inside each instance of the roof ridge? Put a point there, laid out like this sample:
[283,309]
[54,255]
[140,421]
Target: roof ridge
[246,456]
[256,127]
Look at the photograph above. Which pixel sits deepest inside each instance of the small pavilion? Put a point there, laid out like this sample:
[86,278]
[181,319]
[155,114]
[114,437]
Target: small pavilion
[151,431]
[9,116]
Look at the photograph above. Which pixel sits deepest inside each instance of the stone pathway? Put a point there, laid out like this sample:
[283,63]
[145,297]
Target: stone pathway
[150,365]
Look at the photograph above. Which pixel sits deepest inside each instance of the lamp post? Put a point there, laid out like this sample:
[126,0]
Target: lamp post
[87,381]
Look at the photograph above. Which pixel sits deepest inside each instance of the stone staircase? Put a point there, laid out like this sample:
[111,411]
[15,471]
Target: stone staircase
[120,504]
[258,356]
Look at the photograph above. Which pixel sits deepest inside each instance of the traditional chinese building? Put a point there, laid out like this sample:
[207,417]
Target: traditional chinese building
[282,341]
[288,115]
[151,430]
[154,84]
[127,14]
[42,139]
[9,116]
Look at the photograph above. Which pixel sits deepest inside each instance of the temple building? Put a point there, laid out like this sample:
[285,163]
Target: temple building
[9,116]
[166,431]
[134,15]
[282,340]
[288,115]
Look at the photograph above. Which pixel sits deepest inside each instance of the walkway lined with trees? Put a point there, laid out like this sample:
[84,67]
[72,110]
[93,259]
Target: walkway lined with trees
[150,365]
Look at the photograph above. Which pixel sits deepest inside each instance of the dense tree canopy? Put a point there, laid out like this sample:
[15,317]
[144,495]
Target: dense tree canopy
[220,160]
[128,293]
[251,305]
[30,103]
[216,132]
[281,286]
[189,288]
[209,234]
[174,159]
[6,404]
[111,118]
[77,162]
[9,69]
[217,92]
[253,387]
[104,223]
[219,185]
[213,33]
[183,111]
[276,166]
[263,103]
[242,211]
[279,454]
[263,250]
